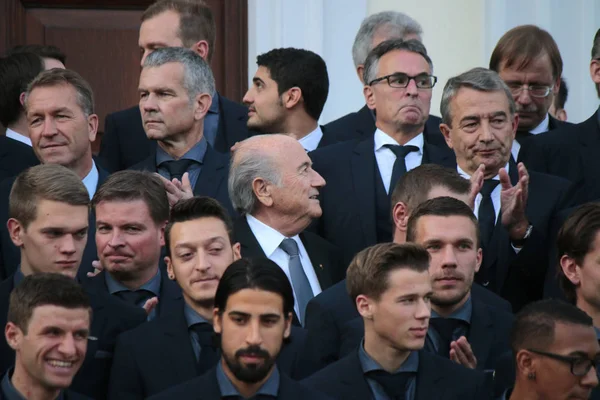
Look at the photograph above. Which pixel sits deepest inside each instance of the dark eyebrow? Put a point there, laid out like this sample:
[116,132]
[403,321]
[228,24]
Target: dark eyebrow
[238,314]
[257,80]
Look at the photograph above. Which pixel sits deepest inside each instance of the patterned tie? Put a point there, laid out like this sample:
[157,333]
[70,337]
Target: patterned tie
[209,355]
[300,282]
[136,298]
[399,168]
[177,168]
[394,385]
[486,214]
[446,327]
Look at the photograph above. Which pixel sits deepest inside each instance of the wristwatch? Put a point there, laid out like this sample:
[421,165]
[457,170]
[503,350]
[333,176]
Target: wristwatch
[521,242]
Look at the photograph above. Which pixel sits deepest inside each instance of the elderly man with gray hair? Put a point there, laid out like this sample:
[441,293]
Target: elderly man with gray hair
[175,88]
[273,186]
[514,207]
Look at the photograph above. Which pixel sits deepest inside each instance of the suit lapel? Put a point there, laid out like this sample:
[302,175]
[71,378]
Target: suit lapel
[212,175]
[365,122]
[479,333]
[249,244]
[353,383]
[319,260]
[428,378]
[363,178]
[327,139]
[177,352]
[171,299]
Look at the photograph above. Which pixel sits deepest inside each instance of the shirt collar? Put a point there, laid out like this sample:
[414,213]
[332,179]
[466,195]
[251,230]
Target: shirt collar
[114,286]
[91,180]
[269,388]
[11,393]
[311,141]
[544,126]
[214,106]
[463,313]
[192,317]
[381,139]
[368,364]
[18,137]
[465,175]
[196,153]
[268,238]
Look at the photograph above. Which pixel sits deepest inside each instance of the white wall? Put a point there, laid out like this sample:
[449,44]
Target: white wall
[458,34]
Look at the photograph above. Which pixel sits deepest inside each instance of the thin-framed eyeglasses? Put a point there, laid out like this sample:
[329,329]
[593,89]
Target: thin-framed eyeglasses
[400,80]
[539,91]
[580,366]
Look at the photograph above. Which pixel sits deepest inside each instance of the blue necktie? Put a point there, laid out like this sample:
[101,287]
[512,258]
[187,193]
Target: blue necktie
[300,282]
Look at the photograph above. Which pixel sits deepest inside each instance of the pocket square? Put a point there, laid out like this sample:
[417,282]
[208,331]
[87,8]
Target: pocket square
[103,354]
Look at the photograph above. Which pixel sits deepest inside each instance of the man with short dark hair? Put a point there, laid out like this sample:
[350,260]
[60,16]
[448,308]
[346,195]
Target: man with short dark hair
[49,224]
[173,23]
[132,209]
[391,287]
[253,308]
[200,247]
[53,313]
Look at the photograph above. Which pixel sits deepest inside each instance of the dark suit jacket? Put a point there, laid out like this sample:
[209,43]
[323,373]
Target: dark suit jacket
[329,316]
[348,200]
[10,255]
[125,143]
[170,297]
[212,181]
[553,124]
[68,395]
[437,378]
[206,387]
[570,152]
[159,355]
[361,125]
[15,157]
[110,318]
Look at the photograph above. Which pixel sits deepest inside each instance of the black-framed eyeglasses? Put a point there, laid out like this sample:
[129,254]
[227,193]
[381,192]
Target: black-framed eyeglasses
[580,366]
[539,91]
[400,80]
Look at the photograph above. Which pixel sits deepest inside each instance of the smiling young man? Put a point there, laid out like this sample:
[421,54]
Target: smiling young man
[48,326]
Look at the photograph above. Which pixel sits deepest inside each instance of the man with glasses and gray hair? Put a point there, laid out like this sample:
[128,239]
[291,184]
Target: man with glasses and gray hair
[373,30]
[399,80]
[175,88]
[514,207]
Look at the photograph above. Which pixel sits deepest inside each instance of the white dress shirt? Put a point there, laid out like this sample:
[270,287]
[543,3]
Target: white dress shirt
[18,137]
[311,141]
[269,240]
[385,157]
[544,126]
[91,180]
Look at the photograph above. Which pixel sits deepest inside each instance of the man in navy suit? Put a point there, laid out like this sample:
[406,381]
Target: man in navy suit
[288,94]
[173,348]
[391,286]
[132,210]
[49,224]
[252,315]
[175,97]
[399,86]
[373,30]
[173,24]
[515,208]
[62,126]
[42,304]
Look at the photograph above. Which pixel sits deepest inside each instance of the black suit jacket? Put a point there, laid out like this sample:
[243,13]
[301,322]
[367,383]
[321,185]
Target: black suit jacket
[169,298]
[15,157]
[206,387]
[158,355]
[570,152]
[329,316]
[361,124]
[125,142]
[110,318]
[212,181]
[68,395]
[437,379]
[348,199]
[10,255]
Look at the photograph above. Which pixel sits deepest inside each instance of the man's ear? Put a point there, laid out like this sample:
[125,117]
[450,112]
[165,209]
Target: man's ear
[15,231]
[237,251]
[13,335]
[570,269]
[445,129]
[217,321]
[201,47]
[400,216]
[369,97]
[92,127]
[291,97]
[262,191]
[364,305]
[170,271]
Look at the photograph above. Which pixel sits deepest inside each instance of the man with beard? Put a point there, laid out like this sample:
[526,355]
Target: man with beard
[253,311]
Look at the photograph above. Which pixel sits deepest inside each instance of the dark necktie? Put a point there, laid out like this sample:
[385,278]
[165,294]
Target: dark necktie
[486,214]
[394,385]
[136,298]
[209,356]
[177,168]
[446,327]
[300,282]
[400,163]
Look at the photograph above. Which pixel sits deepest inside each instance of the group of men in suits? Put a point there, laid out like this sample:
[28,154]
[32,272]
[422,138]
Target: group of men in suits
[470,218]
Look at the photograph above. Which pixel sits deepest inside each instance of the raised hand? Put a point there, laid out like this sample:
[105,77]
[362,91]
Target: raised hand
[513,200]
[178,190]
[462,353]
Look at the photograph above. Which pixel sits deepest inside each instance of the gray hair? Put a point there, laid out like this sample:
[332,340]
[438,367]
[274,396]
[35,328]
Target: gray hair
[197,75]
[246,166]
[391,24]
[481,79]
[372,61]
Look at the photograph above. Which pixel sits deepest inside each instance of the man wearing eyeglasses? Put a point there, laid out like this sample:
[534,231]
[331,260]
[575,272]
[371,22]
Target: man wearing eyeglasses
[528,60]
[356,201]
[556,353]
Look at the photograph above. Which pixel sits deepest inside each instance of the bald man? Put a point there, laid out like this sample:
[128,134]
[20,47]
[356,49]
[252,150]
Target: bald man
[274,188]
